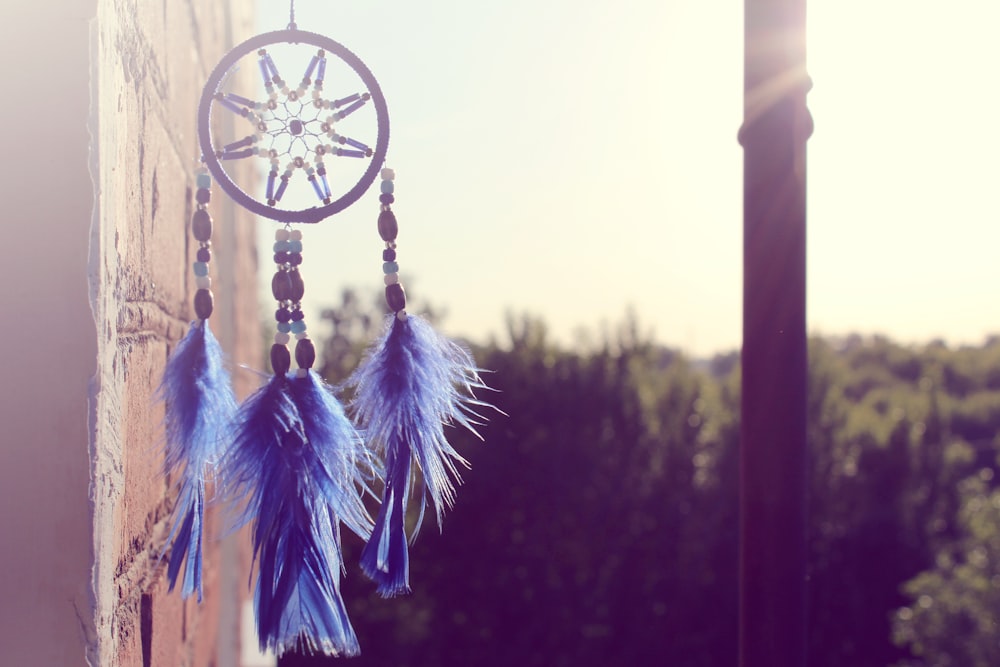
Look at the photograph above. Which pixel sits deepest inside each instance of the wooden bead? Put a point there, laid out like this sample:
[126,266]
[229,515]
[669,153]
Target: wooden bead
[298,288]
[395,297]
[305,353]
[281,359]
[201,225]
[388,228]
[204,302]
[281,286]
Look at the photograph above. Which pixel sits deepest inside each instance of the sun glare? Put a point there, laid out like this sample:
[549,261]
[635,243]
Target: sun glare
[902,167]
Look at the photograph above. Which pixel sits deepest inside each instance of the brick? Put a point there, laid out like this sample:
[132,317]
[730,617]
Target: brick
[152,61]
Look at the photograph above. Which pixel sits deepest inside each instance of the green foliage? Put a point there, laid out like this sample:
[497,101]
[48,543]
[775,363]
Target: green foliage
[598,523]
[895,434]
[952,619]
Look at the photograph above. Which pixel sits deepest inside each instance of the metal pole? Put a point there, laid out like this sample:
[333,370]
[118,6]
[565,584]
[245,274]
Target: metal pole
[774,361]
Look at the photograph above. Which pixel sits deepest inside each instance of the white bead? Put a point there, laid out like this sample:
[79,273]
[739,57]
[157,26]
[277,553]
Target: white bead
[401,316]
[301,372]
[262,152]
[391,278]
[295,235]
[203,282]
[388,174]
[281,234]
[315,94]
[300,336]
[281,338]
[300,92]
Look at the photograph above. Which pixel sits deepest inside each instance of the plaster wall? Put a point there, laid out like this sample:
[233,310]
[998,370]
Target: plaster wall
[50,357]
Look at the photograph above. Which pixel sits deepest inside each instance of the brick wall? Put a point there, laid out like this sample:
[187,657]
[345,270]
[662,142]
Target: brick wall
[152,58]
[99,152]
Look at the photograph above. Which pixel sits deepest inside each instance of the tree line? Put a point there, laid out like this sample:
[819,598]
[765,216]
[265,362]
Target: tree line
[598,522]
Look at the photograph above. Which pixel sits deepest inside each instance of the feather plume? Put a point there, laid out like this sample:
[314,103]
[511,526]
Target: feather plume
[199,405]
[407,390]
[294,466]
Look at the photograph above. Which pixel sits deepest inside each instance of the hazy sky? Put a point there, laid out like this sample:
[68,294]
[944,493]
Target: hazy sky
[572,158]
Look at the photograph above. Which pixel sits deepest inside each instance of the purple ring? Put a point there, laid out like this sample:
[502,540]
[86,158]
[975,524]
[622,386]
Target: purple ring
[315,213]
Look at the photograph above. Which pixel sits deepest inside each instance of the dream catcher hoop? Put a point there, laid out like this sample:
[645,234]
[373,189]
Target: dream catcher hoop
[291,458]
[295,131]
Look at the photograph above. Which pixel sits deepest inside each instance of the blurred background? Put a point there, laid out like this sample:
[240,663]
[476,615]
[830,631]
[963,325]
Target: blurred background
[598,522]
[569,195]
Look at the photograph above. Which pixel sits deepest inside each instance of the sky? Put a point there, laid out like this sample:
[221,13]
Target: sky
[572,160]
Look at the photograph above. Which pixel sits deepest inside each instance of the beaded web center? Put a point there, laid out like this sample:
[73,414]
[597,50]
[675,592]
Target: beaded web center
[294,126]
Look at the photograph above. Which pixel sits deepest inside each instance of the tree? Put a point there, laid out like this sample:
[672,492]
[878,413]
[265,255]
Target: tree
[595,526]
[598,523]
[952,619]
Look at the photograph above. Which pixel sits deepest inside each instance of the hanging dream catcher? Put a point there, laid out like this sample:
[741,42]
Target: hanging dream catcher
[294,127]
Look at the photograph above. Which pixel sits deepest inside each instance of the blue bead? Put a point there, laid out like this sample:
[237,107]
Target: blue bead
[390,267]
[284,327]
[281,246]
[204,181]
[387,187]
[294,246]
[270,183]
[298,326]
[281,188]
[309,71]
[317,188]
[200,268]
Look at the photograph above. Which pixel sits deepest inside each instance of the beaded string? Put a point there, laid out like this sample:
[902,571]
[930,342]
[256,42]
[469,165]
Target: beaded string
[288,289]
[395,296]
[201,229]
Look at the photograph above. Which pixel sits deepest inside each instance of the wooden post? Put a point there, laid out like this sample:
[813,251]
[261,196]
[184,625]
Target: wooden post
[773,432]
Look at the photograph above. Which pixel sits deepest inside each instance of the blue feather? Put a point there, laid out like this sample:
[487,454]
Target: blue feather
[407,390]
[297,466]
[199,404]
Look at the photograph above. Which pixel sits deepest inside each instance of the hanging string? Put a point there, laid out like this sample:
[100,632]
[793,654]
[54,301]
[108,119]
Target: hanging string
[291,16]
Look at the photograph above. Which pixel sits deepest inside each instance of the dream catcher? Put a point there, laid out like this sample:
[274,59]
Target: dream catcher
[311,117]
